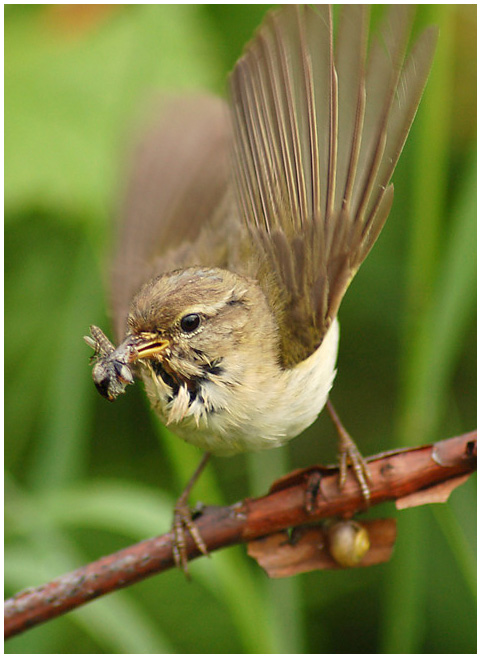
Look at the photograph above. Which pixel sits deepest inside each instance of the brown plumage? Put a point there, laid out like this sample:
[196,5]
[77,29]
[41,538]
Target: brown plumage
[316,129]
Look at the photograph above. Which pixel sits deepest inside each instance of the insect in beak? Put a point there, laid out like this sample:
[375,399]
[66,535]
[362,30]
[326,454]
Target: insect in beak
[111,371]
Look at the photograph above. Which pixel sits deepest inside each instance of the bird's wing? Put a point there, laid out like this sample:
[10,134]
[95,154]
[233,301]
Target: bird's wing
[178,201]
[319,124]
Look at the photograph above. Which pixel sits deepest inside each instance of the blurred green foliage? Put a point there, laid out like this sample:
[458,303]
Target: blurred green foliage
[84,478]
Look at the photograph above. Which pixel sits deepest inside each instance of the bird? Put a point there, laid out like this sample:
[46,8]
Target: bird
[243,223]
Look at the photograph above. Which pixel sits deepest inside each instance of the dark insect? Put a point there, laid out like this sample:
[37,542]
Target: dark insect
[111,371]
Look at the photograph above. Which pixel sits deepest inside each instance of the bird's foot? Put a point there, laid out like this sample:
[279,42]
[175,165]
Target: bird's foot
[183,524]
[349,454]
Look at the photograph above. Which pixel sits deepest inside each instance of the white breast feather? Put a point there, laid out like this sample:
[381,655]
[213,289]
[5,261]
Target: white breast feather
[266,415]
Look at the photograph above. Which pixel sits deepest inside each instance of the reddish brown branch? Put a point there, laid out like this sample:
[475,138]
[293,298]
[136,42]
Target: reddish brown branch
[302,497]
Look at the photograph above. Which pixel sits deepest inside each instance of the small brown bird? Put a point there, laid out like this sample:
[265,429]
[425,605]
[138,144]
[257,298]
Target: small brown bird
[242,229]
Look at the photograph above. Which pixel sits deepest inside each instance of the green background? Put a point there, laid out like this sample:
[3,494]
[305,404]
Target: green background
[85,478]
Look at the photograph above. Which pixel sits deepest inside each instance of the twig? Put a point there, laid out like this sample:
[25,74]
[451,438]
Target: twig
[293,501]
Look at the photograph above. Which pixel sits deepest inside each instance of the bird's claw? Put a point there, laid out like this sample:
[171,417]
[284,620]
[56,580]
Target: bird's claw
[182,524]
[349,454]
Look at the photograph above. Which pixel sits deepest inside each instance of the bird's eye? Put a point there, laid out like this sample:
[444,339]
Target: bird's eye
[190,322]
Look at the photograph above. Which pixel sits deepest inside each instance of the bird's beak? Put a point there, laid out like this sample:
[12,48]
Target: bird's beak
[148,345]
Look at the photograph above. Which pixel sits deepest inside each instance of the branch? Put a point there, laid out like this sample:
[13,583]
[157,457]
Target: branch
[411,477]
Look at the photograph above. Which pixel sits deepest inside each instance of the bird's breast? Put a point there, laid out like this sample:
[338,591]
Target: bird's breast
[238,409]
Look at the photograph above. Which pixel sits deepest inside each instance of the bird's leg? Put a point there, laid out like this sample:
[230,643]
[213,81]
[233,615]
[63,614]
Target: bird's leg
[183,522]
[349,454]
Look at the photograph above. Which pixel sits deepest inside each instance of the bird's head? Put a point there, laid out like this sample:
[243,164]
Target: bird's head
[198,321]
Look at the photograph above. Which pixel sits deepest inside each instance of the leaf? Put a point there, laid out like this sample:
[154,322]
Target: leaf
[307,549]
